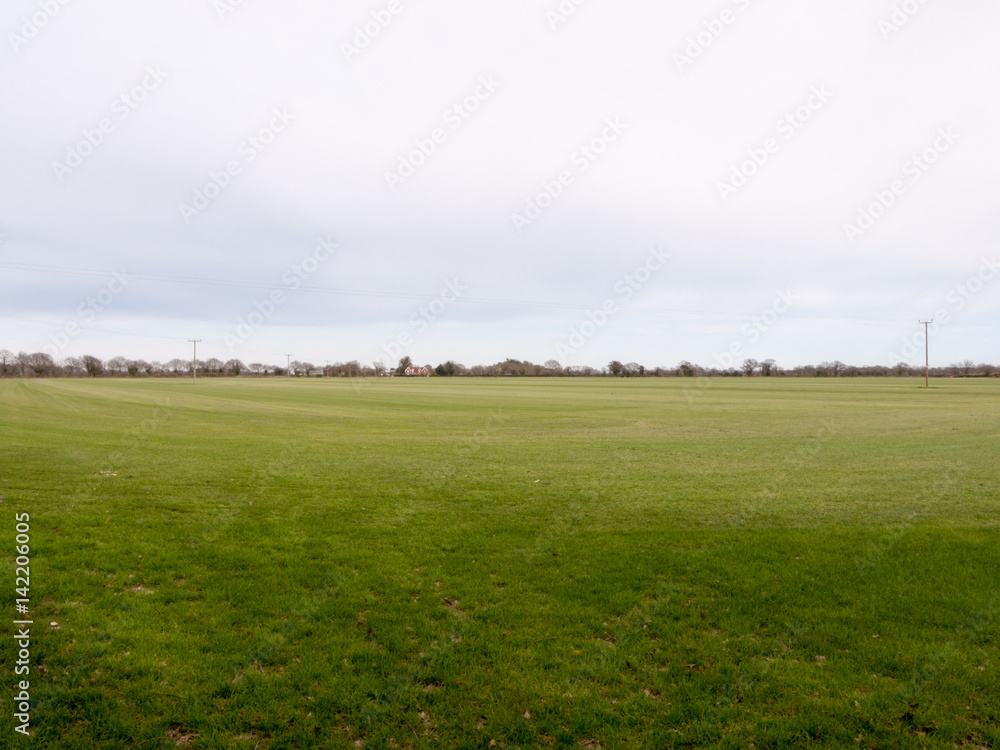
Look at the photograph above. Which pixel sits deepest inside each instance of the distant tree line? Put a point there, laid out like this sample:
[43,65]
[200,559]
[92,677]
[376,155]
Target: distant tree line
[39,364]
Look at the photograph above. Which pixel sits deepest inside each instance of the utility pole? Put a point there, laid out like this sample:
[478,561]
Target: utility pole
[194,359]
[927,349]
[288,370]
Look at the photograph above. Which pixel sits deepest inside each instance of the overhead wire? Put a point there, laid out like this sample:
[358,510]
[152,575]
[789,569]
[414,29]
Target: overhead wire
[167,278]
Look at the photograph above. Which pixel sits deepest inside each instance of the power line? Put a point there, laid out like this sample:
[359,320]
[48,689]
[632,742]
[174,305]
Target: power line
[90,329]
[421,297]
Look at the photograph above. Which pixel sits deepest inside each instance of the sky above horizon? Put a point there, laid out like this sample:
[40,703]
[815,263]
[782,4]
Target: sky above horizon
[567,180]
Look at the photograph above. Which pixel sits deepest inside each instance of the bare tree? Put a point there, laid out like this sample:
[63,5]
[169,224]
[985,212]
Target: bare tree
[235,367]
[768,367]
[633,369]
[178,366]
[41,364]
[92,365]
[834,369]
[73,366]
[116,365]
[685,369]
[750,366]
[300,369]
[511,367]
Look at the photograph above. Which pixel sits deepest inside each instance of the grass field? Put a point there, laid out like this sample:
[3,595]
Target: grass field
[472,563]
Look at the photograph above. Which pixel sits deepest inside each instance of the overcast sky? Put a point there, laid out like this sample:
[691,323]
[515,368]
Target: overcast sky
[636,180]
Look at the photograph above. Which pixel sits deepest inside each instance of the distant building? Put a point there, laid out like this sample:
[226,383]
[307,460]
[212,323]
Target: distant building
[411,370]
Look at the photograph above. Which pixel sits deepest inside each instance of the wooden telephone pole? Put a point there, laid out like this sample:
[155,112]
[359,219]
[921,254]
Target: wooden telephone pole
[927,349]
[194,359]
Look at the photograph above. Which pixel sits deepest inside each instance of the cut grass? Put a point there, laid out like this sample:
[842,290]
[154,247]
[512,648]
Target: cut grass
[539,563]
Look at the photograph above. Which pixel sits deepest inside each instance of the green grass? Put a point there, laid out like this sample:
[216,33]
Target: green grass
[449,563]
